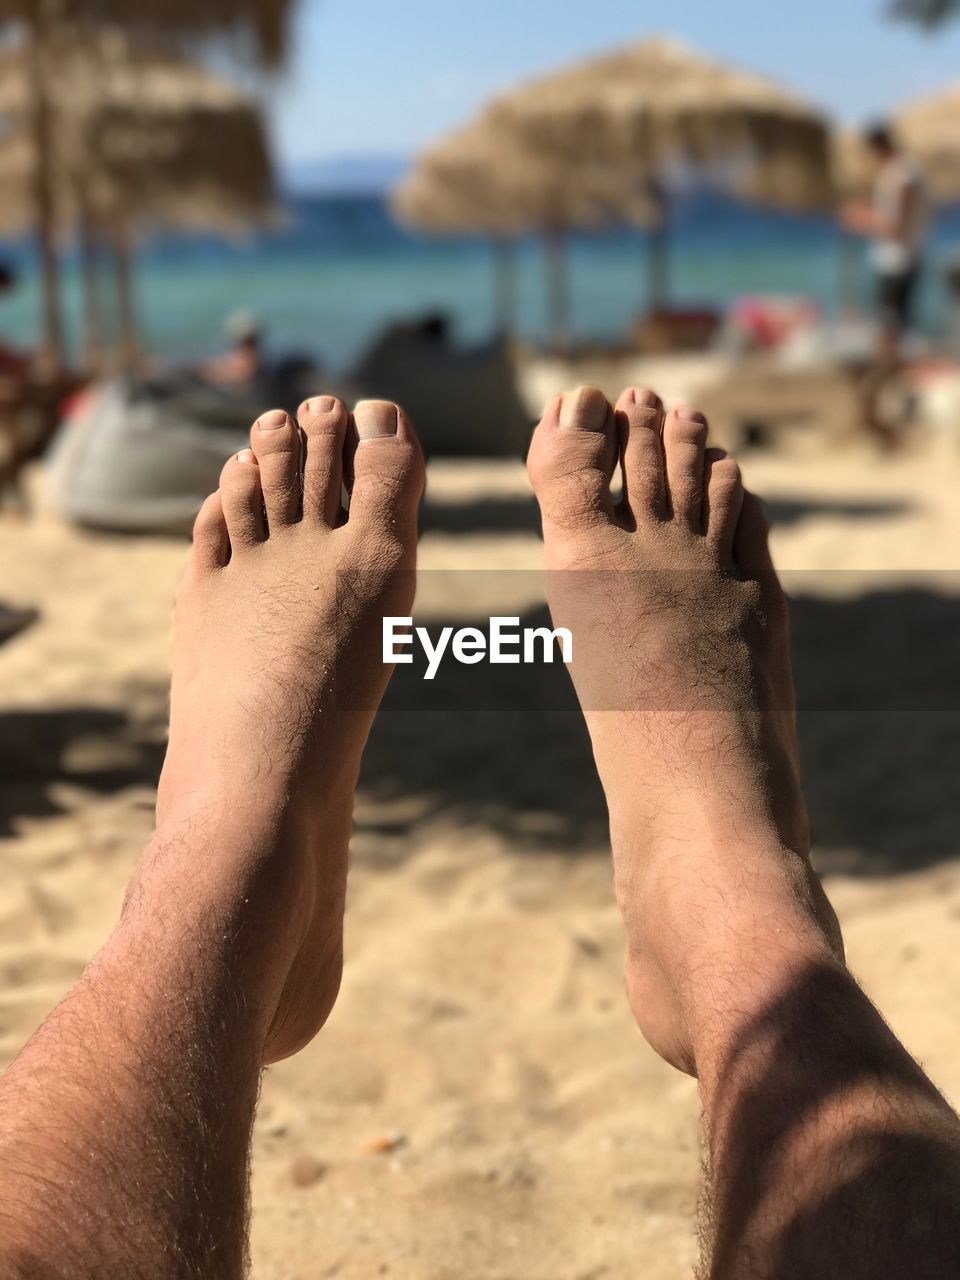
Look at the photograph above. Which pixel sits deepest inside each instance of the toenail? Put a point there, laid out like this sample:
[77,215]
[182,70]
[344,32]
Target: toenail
[323,404]
[376,419]
[246,455]
[585,409]
[687,414]
[272,421]
[645,399]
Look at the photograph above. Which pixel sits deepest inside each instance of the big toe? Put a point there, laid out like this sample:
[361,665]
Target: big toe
[387,471]
[572,459]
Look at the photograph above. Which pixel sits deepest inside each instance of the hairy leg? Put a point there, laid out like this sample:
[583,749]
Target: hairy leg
[125,1122]
[827,1146]
[829,1151]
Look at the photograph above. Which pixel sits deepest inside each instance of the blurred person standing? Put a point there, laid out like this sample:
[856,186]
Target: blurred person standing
[896,222]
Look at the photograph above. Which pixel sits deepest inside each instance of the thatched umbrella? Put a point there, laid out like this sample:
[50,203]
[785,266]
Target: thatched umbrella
[17,218]
[929,131]
[140,139]
[160,142]
[482,180]
[427,203]
[259,25]
[658,109]
[853,180]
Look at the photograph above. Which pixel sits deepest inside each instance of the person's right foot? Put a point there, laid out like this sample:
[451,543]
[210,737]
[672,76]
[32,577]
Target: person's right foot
[277,673]
[681,663]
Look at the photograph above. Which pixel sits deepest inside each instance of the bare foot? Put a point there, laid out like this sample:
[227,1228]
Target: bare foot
[277,672]
[682,667]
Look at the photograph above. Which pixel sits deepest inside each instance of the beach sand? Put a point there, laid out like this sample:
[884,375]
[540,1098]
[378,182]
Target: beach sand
[480,1103]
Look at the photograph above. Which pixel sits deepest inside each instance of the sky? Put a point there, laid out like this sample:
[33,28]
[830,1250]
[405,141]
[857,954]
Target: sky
[386,77]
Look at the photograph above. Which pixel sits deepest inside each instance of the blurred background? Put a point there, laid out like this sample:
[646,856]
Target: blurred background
[215,207]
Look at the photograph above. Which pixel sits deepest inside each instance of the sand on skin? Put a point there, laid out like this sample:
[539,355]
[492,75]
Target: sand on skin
[480,1103]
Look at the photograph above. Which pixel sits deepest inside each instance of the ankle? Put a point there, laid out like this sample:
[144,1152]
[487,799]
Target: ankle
[713,934]
[184,958]
[236,891]
[693,890]
[698,1008]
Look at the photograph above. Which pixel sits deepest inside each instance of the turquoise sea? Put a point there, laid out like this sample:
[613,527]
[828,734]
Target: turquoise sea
[340,268]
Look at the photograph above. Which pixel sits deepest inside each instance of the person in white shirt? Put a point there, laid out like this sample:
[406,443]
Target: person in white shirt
[895,220]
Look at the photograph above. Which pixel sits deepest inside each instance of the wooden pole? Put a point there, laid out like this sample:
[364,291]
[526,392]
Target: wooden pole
[658,256]
[128,330]
[848,272]
[505,285]
[90,278]
[558,289]
[42,135]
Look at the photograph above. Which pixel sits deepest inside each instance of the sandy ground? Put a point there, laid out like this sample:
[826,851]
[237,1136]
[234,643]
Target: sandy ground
[480,1104]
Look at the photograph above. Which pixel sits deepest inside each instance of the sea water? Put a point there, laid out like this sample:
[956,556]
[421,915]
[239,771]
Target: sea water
[340,268]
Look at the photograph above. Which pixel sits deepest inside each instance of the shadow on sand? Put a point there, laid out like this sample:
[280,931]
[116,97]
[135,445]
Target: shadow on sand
[520,514]
[100,750]
[879,681]
[505,748]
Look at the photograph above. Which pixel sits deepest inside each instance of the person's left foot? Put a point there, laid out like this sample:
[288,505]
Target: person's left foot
[682,667]
[277,673]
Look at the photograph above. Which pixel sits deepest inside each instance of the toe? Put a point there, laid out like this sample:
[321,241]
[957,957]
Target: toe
[275,441]
[387,470]
[684,444]
[242,501]
[211,544]
[751,544]
[572,458]
[323,421]
[640,418]
[722,502]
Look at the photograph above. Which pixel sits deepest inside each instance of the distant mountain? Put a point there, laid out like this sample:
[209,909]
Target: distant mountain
[349,175]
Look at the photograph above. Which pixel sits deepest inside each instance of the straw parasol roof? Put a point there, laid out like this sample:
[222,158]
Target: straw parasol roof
[134,139]
[929,131]
[263,24]
[258,27]
[148,134]
[660,107]
[852,173]
[482,179]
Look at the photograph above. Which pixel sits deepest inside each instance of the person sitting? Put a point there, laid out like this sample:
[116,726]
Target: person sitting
[243,364]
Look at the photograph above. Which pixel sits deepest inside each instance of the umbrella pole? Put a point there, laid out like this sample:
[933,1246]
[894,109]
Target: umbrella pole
[92,320]
[41,128]
[848,272]
[126,311]
[558,290]
[506,291]
[658,257]
[658,268]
